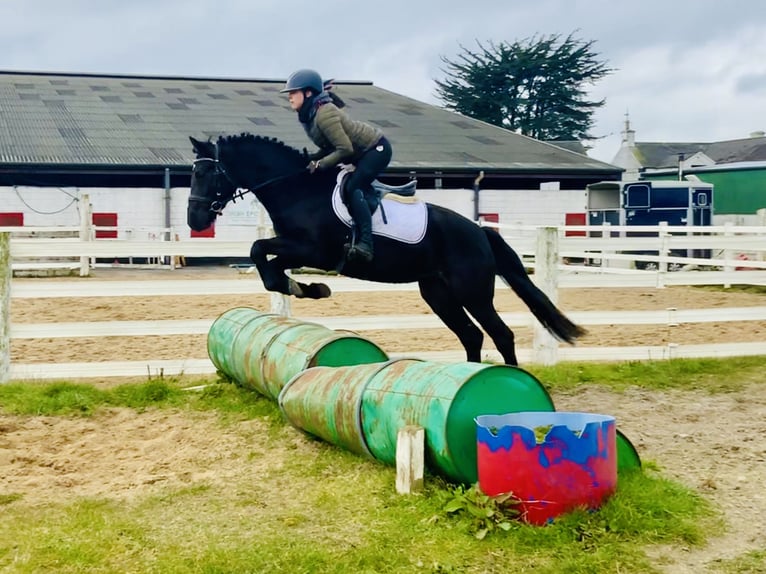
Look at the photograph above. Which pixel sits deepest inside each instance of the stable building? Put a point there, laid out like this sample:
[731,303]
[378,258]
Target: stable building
[123,141]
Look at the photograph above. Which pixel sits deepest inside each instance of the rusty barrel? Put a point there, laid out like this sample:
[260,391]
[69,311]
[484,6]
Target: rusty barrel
[362,408]
[263,351]
[444,399]
[327,402]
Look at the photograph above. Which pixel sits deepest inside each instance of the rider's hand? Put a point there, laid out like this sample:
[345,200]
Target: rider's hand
[314,166]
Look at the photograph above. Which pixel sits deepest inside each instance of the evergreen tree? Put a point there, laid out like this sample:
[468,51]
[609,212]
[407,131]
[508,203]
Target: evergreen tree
[536,87]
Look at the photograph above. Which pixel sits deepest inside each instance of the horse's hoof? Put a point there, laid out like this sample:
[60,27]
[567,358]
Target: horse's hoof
[317,291]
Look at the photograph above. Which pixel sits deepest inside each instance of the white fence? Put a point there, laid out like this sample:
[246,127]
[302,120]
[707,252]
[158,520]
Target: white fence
[602,263]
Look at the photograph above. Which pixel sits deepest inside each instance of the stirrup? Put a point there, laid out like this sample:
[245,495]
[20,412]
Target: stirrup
[358,252]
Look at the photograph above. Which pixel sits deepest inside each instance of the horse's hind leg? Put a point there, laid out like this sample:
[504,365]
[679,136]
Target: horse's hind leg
[436,293]
[484,312]
[474,289]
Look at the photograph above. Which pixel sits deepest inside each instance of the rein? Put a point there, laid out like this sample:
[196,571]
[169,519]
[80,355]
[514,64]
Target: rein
[216,205]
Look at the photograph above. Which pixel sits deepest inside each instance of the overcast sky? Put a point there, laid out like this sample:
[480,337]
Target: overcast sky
[684,70]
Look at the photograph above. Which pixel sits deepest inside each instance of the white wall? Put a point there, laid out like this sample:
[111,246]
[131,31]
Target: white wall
[136,208]
[42,206]
[141,211]
[738,219]
[459,200]
[532,207]
[528,207]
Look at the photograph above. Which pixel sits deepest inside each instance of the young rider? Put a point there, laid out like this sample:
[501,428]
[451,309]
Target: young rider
[340,139]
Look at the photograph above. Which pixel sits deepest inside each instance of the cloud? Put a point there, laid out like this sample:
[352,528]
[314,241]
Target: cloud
[683,71]
[752,83]
[695,91]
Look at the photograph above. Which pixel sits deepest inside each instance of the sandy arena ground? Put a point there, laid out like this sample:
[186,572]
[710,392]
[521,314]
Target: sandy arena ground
[709,442]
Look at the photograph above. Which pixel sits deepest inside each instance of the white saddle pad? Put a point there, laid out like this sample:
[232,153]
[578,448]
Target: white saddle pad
[406,221]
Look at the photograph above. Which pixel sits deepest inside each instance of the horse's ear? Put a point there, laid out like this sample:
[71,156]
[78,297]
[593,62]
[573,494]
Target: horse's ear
[202,149]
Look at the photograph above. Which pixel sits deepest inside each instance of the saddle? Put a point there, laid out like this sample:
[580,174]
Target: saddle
[378,190]
[401,216]
[406,190]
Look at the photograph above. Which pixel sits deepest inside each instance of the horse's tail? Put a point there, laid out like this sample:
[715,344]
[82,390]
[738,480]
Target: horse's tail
[510,268]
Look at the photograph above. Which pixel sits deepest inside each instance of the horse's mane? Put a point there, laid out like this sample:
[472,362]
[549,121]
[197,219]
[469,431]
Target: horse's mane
[272,143]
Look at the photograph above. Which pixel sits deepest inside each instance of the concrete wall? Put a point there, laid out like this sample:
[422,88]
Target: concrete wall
[141,211]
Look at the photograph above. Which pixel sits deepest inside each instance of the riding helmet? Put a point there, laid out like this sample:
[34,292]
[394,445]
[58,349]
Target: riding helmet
[304,80]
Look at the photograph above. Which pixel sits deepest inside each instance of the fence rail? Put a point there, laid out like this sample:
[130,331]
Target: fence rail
[543,249]
[668,317]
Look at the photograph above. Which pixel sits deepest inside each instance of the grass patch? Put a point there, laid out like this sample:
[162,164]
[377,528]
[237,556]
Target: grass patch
[73,399]
[710,375]
[9,498]
[337,513]
[297,505]
[235,402]
[50,399]
[750,563]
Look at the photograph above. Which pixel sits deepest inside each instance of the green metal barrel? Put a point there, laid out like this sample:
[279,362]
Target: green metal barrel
[444,399]
[236,340]
[327,402]
[264,350]
[362,408]
[627,455]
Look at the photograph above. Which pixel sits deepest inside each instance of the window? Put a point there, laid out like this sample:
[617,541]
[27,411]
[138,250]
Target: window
[637,195]
[700,198]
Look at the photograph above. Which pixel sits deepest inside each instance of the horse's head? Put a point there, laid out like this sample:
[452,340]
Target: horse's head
[211,186]
[253,163]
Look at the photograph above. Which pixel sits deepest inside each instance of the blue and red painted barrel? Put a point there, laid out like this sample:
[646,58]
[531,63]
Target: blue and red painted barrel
[551,462]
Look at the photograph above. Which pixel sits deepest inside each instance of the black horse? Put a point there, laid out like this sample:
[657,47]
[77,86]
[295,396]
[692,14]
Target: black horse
[455,263]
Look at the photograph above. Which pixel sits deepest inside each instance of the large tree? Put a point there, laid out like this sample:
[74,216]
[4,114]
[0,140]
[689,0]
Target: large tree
[536,87]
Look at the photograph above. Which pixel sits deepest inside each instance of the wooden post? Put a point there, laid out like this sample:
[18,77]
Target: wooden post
[605,232]
[178,260]
[728,254]
[86,224]
[663,252]
[5,306]
[410,459]
[544,345]
[280,304]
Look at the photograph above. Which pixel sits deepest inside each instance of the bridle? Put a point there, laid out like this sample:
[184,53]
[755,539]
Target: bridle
[217,205]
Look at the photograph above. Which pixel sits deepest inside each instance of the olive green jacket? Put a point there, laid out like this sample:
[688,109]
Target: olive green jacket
[340,138]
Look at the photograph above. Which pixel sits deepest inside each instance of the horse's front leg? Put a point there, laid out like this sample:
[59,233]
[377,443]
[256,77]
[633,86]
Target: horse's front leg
[286,254]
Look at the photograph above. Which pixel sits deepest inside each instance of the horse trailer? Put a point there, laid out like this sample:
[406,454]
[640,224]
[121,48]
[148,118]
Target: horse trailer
[626,203]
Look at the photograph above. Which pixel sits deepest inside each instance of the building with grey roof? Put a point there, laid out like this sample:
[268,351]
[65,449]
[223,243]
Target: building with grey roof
[131,131]
[638,157]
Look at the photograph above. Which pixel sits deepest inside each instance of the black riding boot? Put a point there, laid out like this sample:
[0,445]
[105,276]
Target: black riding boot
[360,212]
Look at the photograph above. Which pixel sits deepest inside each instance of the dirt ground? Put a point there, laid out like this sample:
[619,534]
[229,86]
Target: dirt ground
[709,442]
[340,304]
